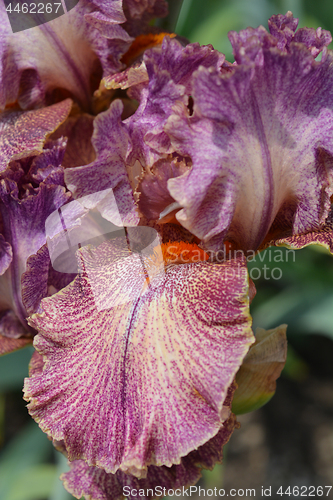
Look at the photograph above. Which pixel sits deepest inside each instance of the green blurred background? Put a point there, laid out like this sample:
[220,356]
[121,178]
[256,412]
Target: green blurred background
[290,440]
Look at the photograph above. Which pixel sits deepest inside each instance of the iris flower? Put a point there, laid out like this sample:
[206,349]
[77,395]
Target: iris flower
[141,343]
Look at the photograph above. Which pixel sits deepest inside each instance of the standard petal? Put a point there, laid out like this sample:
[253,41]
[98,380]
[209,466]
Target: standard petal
[24,134]
[24,210]
[170,69]
[256,378]
[261,150]
[61,54]
[137,359]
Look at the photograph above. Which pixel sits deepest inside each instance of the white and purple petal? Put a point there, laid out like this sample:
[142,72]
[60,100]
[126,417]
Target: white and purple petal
[261,150]
[170,69]
[61,54]
[144,367]
[96,484]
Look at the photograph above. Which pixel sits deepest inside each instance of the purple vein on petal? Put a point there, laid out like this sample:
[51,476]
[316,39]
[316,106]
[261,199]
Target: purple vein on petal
[268,200]
[68,60]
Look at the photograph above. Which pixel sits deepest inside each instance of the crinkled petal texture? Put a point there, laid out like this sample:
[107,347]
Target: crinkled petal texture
[96,484]
[260,139]
[136,370]
[108,172]
[322,237]
[62,53]
[24,134]
[170,69]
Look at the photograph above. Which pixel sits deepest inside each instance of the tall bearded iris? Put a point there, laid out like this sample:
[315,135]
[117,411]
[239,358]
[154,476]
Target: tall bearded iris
[136,357]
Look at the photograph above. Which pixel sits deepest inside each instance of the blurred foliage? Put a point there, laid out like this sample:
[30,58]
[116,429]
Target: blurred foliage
[302,297]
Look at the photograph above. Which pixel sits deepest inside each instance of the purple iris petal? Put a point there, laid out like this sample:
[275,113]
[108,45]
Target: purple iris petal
[31,188]
[170,69]
[6,254]
[97,484]
[261,149]
[24,134]
[108,171]
[322,236]
[62,53]
[191,327]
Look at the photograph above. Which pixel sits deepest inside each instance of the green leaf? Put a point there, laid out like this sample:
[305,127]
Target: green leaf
[13,369]
[29,448]
[33,483]
[256,378]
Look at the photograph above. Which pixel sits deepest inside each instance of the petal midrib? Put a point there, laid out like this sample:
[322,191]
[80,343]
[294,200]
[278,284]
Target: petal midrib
[267,170]
[70,63]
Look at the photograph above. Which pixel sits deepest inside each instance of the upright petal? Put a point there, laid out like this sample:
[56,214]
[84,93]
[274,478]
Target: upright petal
[170,69]
[261,150]
[61,54]
[143,365]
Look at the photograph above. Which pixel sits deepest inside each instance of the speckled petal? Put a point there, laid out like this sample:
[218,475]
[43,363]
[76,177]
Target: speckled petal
[108,171]
[96,484]
[61,54]
[143,366]
[261,150]
[24,134]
